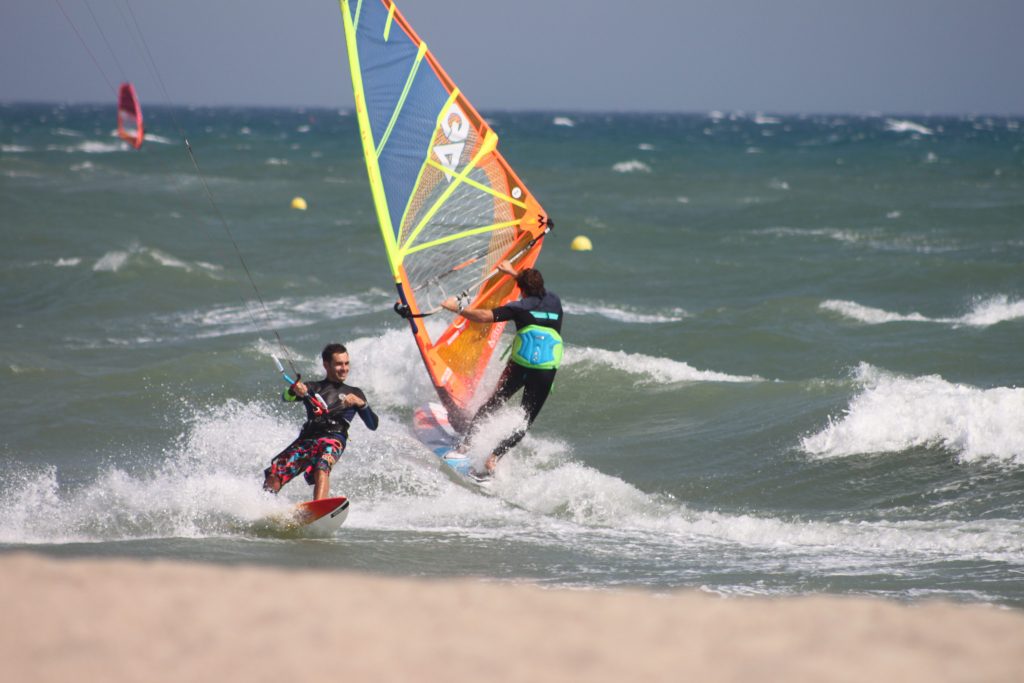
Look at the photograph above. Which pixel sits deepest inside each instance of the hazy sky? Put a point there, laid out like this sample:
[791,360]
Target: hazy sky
[893,56]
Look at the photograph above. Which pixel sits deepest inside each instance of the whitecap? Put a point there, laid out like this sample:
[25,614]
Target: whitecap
[867,314]
[563,121]
[899,126]
[169,261]
[14,149]
[111,262]
[626,315]
[892,414]
[993,310]
[983,313]
[274,161]
[631,166]
[90,147]
[652,369]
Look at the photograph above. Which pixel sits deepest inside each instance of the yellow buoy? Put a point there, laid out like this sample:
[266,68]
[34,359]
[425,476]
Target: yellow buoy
[581,243]
[299,203]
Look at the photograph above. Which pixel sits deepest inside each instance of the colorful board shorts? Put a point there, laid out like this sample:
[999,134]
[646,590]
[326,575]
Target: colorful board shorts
[304,456]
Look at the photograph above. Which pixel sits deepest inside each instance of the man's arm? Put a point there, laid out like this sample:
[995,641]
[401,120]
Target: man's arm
[357,399]
[295,392]
[478,315]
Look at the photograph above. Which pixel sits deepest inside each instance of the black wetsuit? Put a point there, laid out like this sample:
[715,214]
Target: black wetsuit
[337,419]
[536,384]
[323,437]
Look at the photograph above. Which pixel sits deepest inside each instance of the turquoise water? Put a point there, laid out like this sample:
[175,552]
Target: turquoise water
[794,357]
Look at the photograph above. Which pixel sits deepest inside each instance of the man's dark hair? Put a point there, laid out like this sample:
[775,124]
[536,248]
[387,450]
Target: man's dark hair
[531,282]
[328,353]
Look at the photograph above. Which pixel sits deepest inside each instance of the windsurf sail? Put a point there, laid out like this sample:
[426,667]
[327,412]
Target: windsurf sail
[450,207]
[129,116]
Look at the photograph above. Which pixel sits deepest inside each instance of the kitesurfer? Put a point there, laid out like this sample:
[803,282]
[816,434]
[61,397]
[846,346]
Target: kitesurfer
[331,405]
[536,352]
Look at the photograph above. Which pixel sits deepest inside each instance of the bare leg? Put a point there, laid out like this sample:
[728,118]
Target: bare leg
[321,484]
[272,483]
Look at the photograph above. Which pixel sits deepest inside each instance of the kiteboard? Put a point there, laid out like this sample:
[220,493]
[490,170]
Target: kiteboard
[322,516]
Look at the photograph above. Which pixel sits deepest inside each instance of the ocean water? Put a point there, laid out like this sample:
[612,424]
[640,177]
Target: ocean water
[794,355]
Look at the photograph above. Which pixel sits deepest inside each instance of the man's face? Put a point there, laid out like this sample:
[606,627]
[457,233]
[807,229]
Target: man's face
[337,367]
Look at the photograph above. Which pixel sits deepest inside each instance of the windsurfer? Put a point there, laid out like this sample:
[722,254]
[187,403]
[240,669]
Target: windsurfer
[331,405]
[536,352]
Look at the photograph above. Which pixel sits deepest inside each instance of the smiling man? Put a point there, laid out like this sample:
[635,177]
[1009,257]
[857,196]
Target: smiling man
[331,405]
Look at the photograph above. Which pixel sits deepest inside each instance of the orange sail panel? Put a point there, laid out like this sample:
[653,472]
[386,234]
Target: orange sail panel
[129,116]
[450,207]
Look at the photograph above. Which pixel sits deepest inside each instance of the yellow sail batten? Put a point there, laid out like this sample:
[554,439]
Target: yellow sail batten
[459,236]
[480,186]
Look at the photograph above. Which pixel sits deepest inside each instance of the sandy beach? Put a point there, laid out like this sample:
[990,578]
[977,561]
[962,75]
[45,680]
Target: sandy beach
[126,620]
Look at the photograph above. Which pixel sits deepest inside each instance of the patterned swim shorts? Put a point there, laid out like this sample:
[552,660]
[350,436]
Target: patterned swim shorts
[304,456]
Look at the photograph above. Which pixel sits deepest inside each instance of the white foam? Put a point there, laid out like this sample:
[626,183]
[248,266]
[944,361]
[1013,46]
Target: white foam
[646,147]
[993,310]
[631,166]
[626,315]
[983,313]
[150,137]
[111,262]
[274,161]
[90,147]
[563,121]
[208,485]
[280,313]
[867,314]
[67,262]
[652,369]
[66,132]
[165,259]
[900,126]
[762,120]
[14,149]
[874,238]
[892,414]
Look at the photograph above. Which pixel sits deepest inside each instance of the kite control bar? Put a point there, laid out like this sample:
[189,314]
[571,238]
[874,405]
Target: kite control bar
[316,401]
